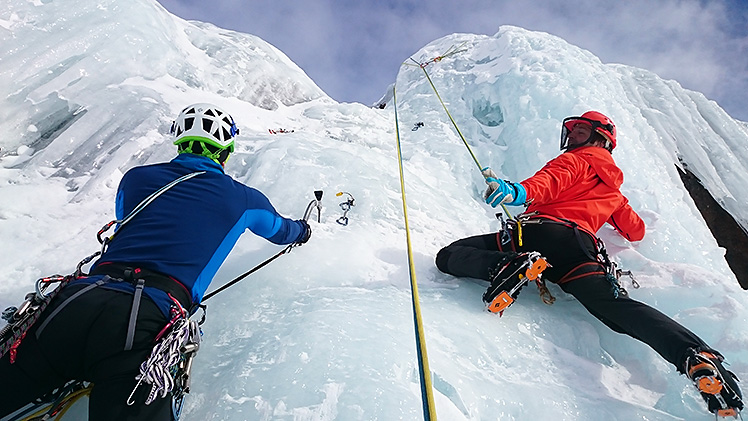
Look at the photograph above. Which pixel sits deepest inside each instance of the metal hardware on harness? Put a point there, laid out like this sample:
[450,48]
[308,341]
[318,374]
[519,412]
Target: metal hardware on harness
[188,350]
[21,318]
[346,206]
[506,237]
[168,367]
[628,273]
[184,368]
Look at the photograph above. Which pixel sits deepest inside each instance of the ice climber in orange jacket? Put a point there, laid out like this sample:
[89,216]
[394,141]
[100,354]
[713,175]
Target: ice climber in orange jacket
[568,201]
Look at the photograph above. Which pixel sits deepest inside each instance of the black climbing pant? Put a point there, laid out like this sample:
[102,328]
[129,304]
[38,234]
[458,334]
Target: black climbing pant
[86,341]
[564,249]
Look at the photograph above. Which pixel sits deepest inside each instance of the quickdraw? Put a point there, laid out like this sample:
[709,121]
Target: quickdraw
[346,206]
[169,366]
[628,273]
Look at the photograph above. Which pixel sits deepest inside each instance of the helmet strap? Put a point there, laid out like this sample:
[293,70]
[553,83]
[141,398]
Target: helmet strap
[195,147]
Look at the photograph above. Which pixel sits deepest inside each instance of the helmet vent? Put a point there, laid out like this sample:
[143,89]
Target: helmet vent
[207,130]
[207,125]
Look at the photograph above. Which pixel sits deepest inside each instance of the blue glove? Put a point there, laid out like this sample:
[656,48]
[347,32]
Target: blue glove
[502,191]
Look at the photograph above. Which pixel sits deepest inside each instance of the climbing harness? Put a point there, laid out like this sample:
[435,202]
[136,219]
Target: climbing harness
[346,206]
[20,319]
[600,262]
[427,393]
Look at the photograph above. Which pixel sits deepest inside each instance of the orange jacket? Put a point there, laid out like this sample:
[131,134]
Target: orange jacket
[583,185]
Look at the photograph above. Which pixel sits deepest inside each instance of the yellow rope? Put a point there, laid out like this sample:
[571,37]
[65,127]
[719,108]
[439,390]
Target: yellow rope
[480,168]
[464,141]
[427,396]
[62,407]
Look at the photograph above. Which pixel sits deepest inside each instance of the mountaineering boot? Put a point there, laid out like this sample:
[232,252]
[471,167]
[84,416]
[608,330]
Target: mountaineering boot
[717,385]
[511,274]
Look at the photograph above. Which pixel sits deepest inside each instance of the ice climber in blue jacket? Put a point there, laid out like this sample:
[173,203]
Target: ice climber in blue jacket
[101,327]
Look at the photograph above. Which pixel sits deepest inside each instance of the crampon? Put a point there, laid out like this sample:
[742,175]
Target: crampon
[717,385]
[511,275]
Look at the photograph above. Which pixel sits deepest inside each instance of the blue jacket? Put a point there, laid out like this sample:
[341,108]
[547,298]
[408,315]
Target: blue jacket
[188,231]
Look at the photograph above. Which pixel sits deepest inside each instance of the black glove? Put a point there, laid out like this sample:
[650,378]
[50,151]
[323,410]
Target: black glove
[306,234]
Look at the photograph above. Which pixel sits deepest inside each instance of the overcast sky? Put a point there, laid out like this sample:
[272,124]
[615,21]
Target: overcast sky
[353,49]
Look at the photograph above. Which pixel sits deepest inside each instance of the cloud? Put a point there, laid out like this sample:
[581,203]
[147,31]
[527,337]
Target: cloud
[353,50]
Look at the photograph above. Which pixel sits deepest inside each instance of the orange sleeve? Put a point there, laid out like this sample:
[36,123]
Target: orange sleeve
[557,176]
[628,223]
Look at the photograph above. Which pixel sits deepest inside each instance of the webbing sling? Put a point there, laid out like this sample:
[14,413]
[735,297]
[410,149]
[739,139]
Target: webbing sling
[134,314]
[68,301]
[105,280]
[145,202]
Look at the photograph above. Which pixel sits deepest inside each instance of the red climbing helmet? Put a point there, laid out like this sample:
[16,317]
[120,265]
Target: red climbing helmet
[599,122]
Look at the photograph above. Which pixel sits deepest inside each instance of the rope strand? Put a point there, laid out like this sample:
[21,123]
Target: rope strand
[427,395]
[454,123]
